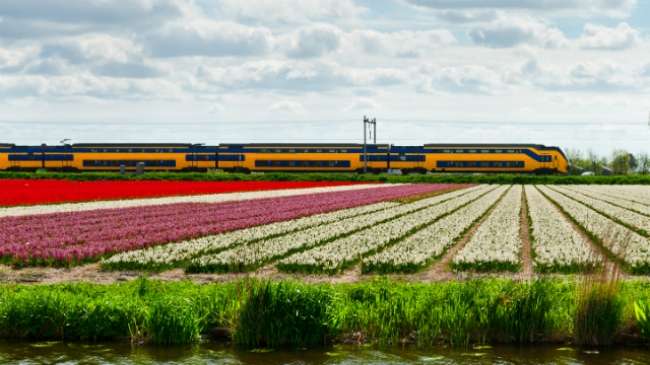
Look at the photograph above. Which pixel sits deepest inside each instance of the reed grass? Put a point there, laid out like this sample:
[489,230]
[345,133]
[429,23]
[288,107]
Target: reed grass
[599,309]
[283,314]
[291,314]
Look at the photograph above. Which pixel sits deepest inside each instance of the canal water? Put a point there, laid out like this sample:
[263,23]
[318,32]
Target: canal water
[75,353]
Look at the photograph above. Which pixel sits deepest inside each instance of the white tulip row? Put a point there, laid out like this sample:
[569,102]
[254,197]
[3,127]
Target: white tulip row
[249,256]
[628,245]
[174,253]
[613,195]
[635,220]
[640,193]
[177,253]
[496,244]
[417,250]
[344,251]
[207,198]
[557,245]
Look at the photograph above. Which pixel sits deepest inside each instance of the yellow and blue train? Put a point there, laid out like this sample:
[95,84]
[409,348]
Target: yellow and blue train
[533,158]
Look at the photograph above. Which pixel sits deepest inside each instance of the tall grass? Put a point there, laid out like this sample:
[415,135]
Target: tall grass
[455,314]
[642,316]
[283,314]
[290,314]
[599,309]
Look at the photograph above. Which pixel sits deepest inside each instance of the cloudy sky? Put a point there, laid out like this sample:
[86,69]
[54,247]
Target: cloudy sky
[572,73]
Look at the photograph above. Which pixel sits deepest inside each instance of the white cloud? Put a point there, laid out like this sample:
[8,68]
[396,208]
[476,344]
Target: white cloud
[362,105]
[295,76]
[13,59]
[466,16]
[91,48]
[466,79]
[401,43]
[615,8]
[134,70]
[314,41]
[590,76]
[514,31]
[91,11]
[203,37]
[286,11]
[276,75]
[86,85]
[600,37]
[287,106]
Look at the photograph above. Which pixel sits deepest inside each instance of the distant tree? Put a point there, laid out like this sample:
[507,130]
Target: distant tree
[621,162]
[634,163]
[595,162]
[576,161]
[643,161]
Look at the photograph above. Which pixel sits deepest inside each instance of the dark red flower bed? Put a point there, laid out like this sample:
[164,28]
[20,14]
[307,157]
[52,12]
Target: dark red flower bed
[15,192]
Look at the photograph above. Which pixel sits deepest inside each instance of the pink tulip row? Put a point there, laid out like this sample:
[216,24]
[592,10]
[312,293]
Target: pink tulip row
[65,238]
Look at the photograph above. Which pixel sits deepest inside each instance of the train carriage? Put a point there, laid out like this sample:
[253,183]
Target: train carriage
[288,157]
[495,158]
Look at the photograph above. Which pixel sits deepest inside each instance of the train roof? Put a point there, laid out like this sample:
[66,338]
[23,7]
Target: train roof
[300,144]
[86,145]
[537,146]
[486,145]
[6,145]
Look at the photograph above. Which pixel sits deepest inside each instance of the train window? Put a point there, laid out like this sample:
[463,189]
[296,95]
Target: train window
[459,151]
[510,151]
[471,151]
[344,150]
[332,151]
[319,151]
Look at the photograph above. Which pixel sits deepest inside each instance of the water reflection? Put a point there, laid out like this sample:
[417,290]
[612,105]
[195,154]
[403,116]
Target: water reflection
[75,353]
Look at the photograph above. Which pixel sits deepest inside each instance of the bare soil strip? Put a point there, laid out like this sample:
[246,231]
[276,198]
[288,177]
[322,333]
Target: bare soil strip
[604,253]
[524,234]
[440,270]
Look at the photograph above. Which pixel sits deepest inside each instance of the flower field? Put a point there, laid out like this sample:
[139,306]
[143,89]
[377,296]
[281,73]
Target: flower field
[31,191]
[328,230]
[72,237]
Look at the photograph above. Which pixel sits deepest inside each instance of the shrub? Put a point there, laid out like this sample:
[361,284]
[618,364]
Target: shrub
[283,314]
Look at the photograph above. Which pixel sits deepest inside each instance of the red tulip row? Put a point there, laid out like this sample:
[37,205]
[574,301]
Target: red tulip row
[14,192]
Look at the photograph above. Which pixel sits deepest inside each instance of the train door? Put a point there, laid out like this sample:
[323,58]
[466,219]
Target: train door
[547,163]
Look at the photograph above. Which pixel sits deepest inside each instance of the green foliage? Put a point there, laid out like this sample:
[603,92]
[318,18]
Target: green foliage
[174,321]
[598,314]
[456,314]
[290,314]
[520,314]
[283,314]
[642,316]
[460,178]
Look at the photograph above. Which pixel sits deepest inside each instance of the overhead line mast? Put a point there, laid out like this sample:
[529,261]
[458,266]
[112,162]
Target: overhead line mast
[367,121]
